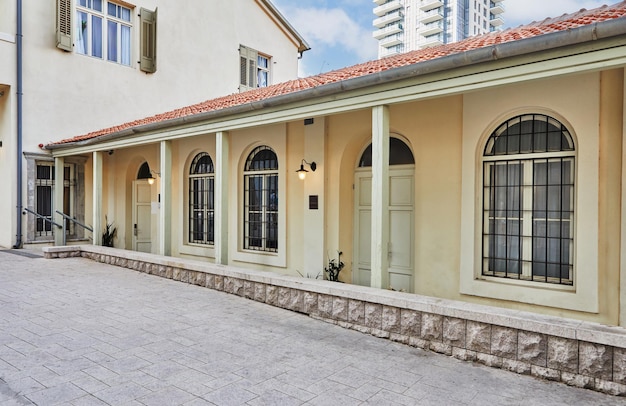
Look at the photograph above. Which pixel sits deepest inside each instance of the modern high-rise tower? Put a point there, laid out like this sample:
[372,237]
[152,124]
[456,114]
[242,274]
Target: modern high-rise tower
[406,25]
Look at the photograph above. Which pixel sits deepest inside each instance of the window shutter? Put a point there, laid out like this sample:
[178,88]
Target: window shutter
[247,68]
[64,25]
[148,22]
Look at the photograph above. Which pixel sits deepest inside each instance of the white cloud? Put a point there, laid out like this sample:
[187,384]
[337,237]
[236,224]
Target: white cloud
[333,27]
[519,12]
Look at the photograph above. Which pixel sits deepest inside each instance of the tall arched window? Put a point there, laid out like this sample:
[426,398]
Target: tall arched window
[528,201]
[201,200]
[260,179]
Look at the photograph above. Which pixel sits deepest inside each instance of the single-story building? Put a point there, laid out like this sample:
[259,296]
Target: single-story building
[489,171]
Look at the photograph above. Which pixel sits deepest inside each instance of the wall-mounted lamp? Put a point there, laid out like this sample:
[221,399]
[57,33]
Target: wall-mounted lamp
[302,172]
[151,178]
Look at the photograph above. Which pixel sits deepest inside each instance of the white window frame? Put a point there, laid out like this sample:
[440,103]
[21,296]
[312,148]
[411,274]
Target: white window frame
[105,18]
[583,295]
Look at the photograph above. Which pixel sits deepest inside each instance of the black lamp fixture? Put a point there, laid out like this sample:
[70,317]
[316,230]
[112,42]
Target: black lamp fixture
[302,172]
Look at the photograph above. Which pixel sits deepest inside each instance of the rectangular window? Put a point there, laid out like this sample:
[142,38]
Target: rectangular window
[528,219]
[254,69]
[104,34]
[44,198]
[202,210]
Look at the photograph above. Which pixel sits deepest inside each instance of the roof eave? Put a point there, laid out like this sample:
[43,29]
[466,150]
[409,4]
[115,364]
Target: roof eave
[561,39]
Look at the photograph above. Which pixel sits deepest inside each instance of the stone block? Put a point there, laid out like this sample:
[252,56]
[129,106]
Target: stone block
[176,274]
[259,292]
[237,285]
[399,338]
[373,315]
[169,272]
[545,373]
[271,295]
[463,354]
[619,365]
[504,342]
[391,319]
[379,333]
[440,347]
[563,354]
[580,381]
[532,348]
[296,300]
[199,279]
[356,312]
[419,343]
[595,360]
[284,294]
[228,284]
[612,388]
[210,281]
[489,360]
[325,306]
[310,303]
[478,337]
[432,327]
[340,309]
[219,282]
[248,289]
[518,367]
[454,331]
[410,322]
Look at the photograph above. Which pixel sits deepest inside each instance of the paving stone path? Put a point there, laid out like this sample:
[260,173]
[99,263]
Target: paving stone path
[77,332]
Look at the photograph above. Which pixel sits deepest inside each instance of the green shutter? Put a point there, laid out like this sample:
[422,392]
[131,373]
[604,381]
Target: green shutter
[64,25]
[148,22]
[247,68]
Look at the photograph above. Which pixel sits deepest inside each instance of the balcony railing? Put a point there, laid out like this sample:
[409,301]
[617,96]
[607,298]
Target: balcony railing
[431,16]
[496,21]
[387,7]
[384,32]
[392,40]
[426,5]
[432,41]
[496,8]
[389,18]
[431,29]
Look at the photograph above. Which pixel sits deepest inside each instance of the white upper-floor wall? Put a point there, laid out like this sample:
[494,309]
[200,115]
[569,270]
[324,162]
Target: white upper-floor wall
[198,58]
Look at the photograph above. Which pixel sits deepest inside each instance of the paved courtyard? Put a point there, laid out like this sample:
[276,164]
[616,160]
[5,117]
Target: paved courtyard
[77,332]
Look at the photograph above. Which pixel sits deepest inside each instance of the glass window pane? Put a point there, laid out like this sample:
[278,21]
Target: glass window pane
[97,5]
[112,41]
[112,9]
[125,45]
[96,36]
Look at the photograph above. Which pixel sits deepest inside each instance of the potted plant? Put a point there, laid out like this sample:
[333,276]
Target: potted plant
[334,267]
[109,233]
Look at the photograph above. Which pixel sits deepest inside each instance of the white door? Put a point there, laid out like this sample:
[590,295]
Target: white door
[401,226]
[142,215]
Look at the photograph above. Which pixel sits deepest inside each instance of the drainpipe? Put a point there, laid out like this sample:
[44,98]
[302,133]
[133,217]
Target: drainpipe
[18,238]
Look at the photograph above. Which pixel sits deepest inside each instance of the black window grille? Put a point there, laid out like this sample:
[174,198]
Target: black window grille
[399,154]
[261,200]
[202,200]
[528,201]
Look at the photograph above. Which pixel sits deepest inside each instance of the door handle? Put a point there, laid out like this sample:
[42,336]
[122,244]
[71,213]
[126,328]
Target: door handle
[135,230]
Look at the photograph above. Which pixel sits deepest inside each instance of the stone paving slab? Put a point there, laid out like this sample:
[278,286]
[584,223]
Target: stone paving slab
[77,332]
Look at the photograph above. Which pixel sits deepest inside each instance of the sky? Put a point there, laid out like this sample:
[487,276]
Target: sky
[339,32]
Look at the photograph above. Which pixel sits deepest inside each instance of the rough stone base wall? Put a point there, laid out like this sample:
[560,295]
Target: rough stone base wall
[577,362]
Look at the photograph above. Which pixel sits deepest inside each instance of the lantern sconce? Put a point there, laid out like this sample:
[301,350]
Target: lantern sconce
[151,178]
[302,172]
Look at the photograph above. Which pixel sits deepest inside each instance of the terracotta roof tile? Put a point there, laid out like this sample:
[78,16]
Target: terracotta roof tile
[534,29]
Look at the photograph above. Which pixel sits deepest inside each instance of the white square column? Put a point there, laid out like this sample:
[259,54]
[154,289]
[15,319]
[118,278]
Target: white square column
[222,147]
[380,198]
[314,217]
[96,221]
[165,200]
[57,202]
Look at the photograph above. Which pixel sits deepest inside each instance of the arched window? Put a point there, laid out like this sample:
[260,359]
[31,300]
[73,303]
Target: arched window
[201,200]
[528,201]
[399,154]
[260,179]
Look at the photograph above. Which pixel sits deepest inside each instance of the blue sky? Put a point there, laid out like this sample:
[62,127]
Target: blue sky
[340,31]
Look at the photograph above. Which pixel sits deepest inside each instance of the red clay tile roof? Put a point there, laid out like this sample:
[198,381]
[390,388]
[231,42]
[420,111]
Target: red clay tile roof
[549,25]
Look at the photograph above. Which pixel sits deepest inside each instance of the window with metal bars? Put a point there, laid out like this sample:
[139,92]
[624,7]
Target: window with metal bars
[44,197]
[201,200]
[261,200]
[528,201]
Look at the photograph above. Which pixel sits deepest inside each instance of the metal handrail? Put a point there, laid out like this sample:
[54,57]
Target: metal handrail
[73,220]
[44,218]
